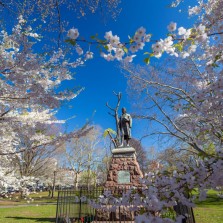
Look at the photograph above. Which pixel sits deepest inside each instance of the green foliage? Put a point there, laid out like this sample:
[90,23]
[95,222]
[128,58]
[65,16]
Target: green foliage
[106,47]
[210,149]
[52,137]
[39,131]
[88,178]
[214,65]
[102,41]
[125,49]
[94,36]
[192,40]
[71,41]
[217,58]
[131,41]
[109,130]
[147,60]
[169,213]
[179,46]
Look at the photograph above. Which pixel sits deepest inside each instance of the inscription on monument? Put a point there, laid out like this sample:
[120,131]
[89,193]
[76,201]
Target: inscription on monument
[123,177]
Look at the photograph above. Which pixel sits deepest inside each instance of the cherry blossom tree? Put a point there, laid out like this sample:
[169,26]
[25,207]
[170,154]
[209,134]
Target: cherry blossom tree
[181,98]
[174,104]
[186,99]
[44,10]
[29,98]
[189,103]
[47,17]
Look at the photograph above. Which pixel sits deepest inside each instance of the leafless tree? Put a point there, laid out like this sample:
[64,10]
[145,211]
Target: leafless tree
[141,154]
[114,112]
[82,153]
[163,94]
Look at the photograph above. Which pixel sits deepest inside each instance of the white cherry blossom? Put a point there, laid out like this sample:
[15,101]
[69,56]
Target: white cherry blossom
[141,31]
[73,33]
[108,35]
[79,50]
[129,59]
[172,27]
[181,31]
[147,38]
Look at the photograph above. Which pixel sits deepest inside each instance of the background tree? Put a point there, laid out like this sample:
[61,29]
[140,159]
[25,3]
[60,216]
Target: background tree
[104,164]
[171,98]
[88,178]
[48,16]
[82,153]
[141,154]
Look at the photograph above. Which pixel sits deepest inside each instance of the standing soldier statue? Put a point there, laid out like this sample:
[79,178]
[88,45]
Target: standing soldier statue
[125,125]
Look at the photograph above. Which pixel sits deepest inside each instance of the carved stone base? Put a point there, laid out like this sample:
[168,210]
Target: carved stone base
[122,213]
[124,170]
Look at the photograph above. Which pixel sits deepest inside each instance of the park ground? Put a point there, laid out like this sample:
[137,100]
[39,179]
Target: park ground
[40,208]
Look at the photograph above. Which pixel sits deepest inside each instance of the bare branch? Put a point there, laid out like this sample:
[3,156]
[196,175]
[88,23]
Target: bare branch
[59,23]
[157,83]
[167,117]
[111,114]
[115,114]
[113,109]
[4,113]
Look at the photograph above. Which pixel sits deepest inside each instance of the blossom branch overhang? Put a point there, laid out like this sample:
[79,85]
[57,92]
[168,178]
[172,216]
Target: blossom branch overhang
[166,116]
[104,42]
[4,113]
[187,97]
[5,98]
[57,142]
[192,36]
[117,50]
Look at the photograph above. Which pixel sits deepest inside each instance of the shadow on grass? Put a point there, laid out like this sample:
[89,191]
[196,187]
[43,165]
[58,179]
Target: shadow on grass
[19,219]
[211,200]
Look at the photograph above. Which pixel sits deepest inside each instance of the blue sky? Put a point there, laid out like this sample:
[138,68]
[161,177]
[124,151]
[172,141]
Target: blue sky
[99,77]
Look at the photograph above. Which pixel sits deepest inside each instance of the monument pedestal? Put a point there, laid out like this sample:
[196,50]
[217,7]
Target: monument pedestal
[124,171]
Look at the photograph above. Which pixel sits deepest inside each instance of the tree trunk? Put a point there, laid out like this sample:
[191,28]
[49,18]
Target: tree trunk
[75,180]
[54,182]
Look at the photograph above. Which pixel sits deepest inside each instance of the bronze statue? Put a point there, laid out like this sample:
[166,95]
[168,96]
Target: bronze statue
[125,125]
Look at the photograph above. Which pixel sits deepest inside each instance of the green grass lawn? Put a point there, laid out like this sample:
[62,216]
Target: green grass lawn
[34,212]
[208,211]
[34,198]
[30,214]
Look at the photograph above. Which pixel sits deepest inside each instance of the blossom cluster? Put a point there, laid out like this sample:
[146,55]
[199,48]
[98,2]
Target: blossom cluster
[116,50]
[29,100]
[163,189]
[181,42]
[73,35]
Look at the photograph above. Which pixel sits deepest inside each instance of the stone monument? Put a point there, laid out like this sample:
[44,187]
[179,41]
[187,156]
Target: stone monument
[124,171]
